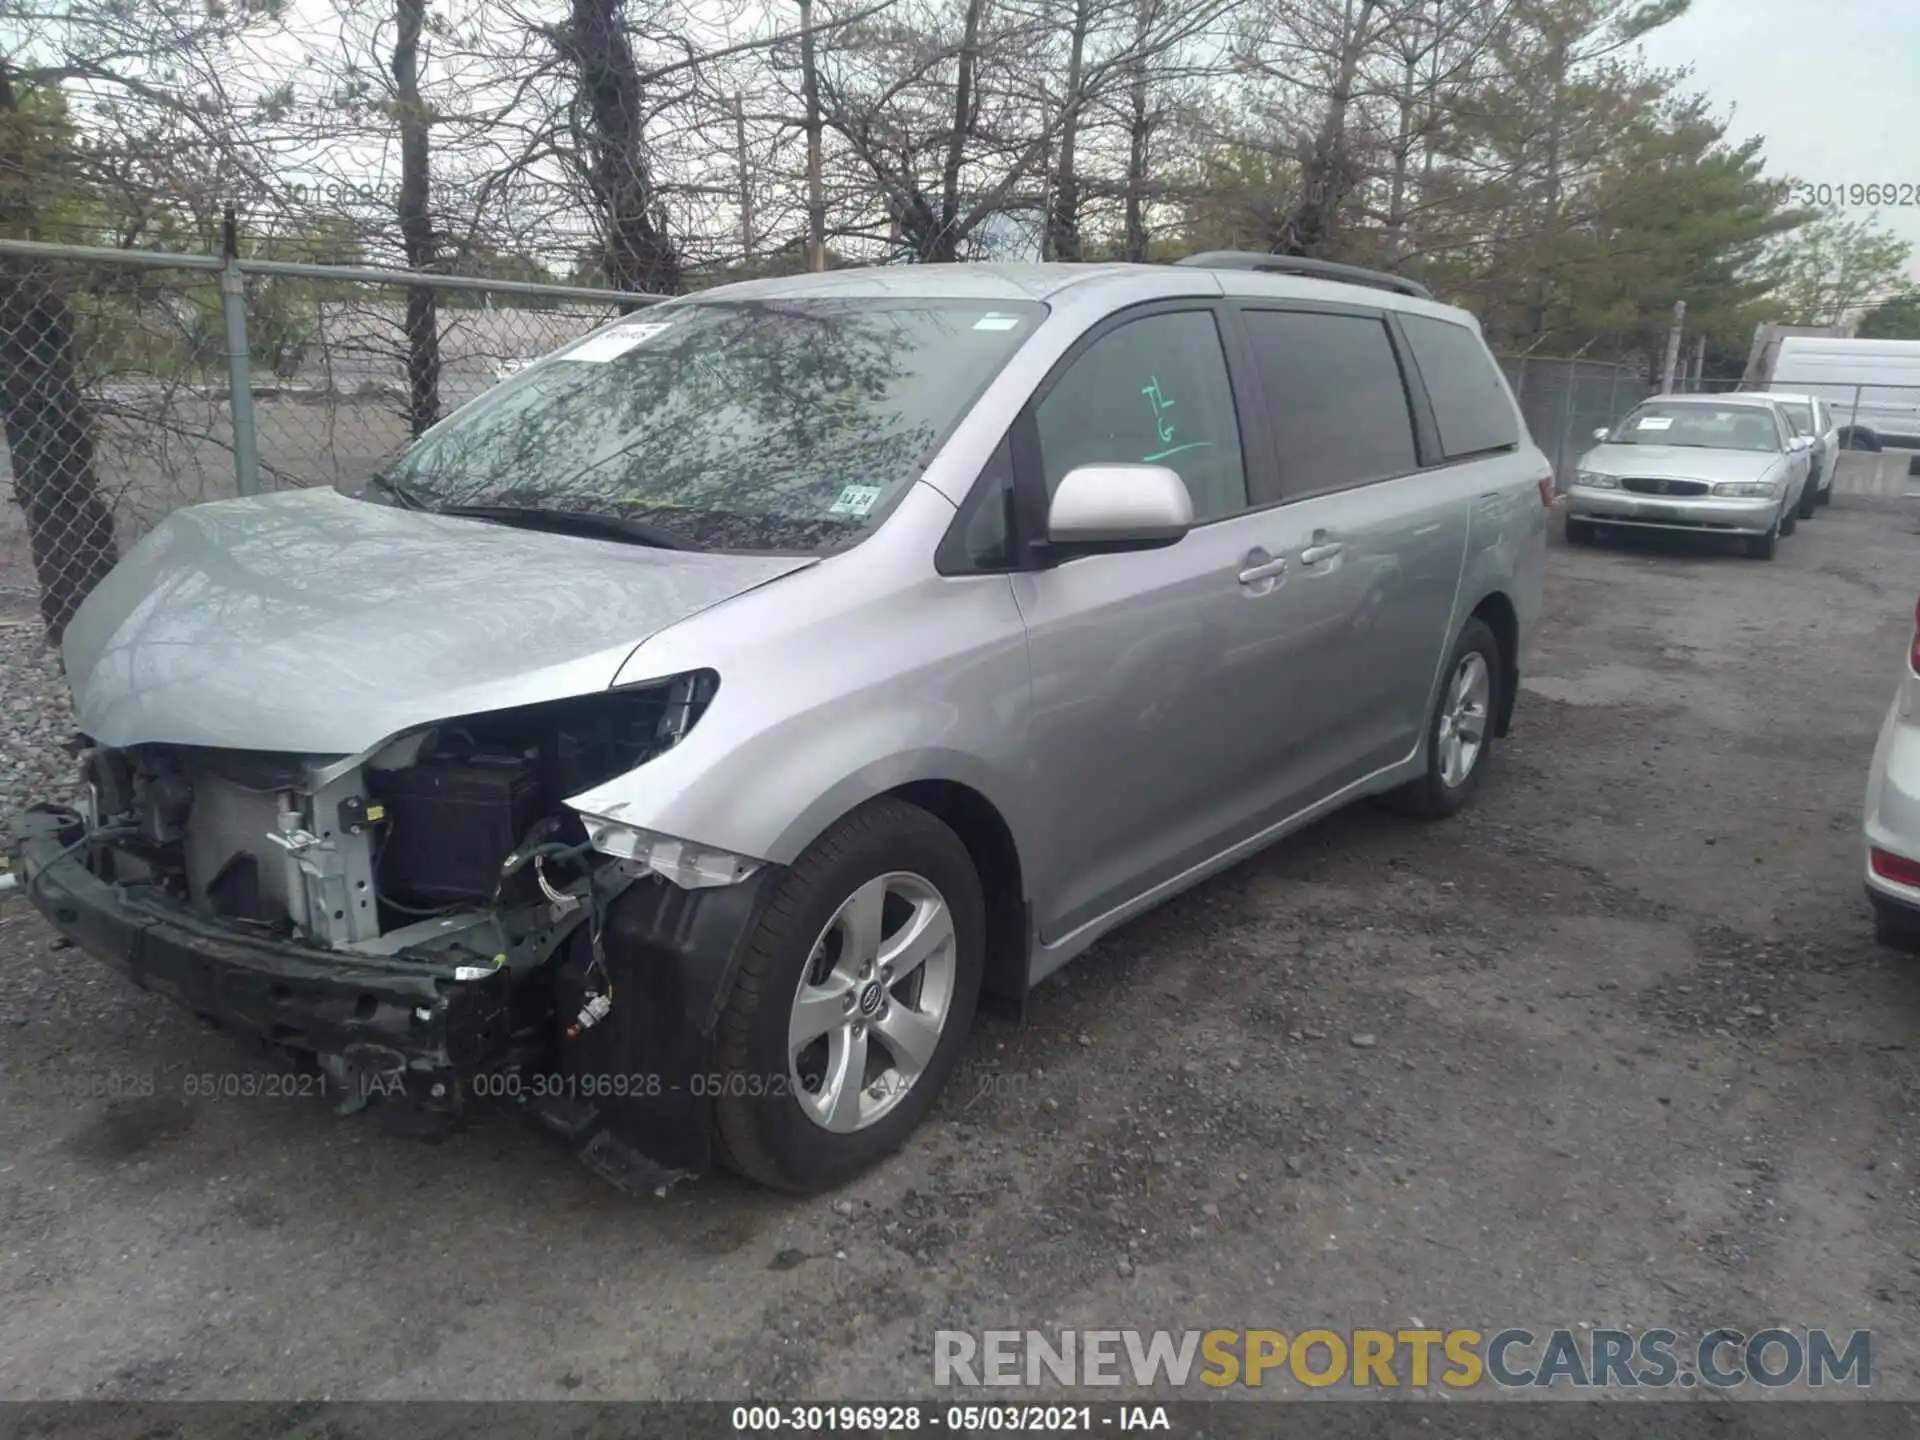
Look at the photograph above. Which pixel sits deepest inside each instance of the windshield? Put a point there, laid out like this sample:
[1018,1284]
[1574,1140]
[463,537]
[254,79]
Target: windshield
[745,425]
[1706,427]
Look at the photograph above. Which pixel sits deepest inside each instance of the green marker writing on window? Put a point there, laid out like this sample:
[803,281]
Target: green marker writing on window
[1157,398]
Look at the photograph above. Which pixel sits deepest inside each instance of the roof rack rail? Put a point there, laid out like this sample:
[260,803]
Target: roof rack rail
[1306,268]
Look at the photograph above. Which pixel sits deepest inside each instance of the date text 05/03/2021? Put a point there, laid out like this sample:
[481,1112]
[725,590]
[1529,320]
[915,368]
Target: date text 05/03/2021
[954,1419]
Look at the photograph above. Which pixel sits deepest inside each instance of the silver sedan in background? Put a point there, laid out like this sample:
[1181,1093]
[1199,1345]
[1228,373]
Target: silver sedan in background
[1710,464]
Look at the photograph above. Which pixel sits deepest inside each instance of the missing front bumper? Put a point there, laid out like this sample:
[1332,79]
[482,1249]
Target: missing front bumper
[630,1095]
[399,1018]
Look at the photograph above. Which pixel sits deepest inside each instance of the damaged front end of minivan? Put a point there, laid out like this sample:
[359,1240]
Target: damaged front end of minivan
[429,924]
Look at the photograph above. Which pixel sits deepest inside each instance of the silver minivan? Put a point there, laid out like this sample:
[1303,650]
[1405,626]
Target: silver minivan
[686,736]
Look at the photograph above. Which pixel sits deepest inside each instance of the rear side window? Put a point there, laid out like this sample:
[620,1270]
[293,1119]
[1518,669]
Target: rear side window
[1470,404]
[1335,397]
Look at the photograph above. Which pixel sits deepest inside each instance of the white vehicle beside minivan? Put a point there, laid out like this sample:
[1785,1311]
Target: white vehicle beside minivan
[1891,823]
[1873,386]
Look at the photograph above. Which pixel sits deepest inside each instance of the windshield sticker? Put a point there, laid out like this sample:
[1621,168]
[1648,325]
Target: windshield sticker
[997,322]
[1655,422]
[855,500]
[598,349]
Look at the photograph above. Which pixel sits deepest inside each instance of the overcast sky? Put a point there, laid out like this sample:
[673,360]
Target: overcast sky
[1833,85]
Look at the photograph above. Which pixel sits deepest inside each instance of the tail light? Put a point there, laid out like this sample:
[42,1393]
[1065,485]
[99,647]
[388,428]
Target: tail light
[1913,650]
[1897,868]
[1549,488]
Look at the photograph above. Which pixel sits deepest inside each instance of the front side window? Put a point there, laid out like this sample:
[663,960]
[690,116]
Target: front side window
[751,425]
[1335,396]
[1152,391]
[1799,415]
[1704,427]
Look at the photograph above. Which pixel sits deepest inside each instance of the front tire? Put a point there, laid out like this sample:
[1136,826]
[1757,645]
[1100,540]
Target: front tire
[854,1002]
[1809,498]
[1788,522]
[1460,729]
[1579,532]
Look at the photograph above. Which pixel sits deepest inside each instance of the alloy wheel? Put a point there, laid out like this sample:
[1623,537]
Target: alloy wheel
[872,1002]
[1463,718]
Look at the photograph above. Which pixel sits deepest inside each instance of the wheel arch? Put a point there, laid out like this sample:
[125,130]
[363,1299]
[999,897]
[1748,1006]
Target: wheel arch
[996,860]
[1496,611]
[984,829]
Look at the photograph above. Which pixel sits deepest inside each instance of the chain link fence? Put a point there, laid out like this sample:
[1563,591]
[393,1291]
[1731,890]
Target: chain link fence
[133,383]
[1565,401]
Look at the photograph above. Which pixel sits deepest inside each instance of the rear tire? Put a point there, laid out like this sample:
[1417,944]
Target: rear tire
[1463,711]
[889,880]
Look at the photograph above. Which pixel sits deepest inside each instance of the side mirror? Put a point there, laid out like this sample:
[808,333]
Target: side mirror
[1800,442]
[1103,508]
[1602,433]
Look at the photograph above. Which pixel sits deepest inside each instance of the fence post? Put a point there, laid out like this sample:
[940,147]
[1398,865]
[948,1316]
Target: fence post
[233,309]
[1566,417]
[1673,347]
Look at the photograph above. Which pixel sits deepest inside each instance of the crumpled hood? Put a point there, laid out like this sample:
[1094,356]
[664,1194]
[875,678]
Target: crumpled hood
[308,622]
[1682,462]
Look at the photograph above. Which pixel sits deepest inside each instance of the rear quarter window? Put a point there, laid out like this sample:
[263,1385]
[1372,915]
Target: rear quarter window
[1471,407]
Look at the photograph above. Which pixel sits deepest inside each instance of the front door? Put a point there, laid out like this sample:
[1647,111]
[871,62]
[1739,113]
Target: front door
[1163,680]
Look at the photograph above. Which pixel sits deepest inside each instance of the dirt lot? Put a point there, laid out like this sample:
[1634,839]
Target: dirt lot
[1614,1047]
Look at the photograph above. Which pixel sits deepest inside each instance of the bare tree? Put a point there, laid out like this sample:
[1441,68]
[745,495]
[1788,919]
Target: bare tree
[416,219]
[608,123]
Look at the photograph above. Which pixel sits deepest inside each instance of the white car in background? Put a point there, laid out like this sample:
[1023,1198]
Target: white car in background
[1892,823]
[1810,415]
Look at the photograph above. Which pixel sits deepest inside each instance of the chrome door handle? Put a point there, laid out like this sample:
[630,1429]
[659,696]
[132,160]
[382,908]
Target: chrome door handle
[1314,554]
[1254,574]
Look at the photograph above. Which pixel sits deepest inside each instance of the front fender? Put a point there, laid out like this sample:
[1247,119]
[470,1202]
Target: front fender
[761,783]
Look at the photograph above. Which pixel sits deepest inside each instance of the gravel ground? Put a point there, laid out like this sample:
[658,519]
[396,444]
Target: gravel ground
[1613,1047]
[35,717]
